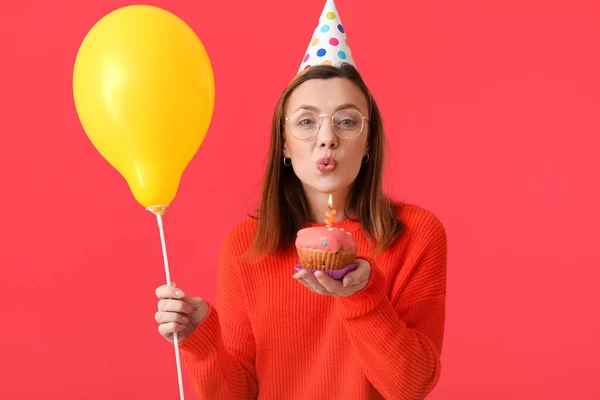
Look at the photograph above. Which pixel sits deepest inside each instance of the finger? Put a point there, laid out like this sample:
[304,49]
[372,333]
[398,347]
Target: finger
[312,281]
[354,278]
[163,317]
[358,276]
[167,329]
[330,284]
[302,281]
[174,306]
[169,292]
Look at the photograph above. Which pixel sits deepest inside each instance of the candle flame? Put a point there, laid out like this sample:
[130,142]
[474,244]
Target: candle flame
[330,203]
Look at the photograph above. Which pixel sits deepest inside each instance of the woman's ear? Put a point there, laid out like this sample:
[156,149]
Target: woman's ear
[285,151]
[367,148]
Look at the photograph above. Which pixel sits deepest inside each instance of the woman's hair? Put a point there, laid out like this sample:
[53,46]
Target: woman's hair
[284,208]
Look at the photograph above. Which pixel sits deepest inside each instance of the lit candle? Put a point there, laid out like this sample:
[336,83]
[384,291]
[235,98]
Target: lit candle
[330,214]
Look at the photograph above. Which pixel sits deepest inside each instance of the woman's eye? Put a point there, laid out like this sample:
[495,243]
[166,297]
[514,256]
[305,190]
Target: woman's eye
[347,123]
[305,121]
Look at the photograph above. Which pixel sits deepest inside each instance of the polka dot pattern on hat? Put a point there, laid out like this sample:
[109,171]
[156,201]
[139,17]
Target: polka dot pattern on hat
[329,44]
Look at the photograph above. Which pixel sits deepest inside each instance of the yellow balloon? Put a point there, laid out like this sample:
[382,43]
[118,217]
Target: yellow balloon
[144,91]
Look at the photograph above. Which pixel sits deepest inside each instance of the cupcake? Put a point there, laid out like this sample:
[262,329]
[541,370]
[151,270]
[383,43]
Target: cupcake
[328,249]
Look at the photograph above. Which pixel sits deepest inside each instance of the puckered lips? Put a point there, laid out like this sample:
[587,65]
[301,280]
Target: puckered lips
[326,164]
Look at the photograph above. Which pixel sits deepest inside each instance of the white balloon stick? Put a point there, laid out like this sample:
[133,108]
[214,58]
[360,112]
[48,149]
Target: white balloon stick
[159,211]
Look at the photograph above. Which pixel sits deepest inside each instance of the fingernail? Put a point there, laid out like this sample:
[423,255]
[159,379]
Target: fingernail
[179,293]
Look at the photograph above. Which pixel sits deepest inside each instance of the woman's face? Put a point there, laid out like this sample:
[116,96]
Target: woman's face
[326,162]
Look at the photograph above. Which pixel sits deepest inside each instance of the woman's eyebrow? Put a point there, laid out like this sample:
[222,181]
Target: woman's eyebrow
[316,109]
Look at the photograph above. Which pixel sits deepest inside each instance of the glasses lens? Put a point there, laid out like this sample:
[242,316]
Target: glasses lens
[348,123]
[303,124]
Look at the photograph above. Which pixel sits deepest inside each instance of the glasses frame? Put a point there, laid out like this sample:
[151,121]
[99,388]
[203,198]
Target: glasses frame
[362,128]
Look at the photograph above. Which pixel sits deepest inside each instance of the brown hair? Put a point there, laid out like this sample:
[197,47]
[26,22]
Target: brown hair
[284,205]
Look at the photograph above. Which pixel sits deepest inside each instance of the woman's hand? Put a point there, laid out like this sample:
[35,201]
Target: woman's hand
[323,284]
[178,313]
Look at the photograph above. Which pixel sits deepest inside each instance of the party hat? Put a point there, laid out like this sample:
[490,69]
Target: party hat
[329,44]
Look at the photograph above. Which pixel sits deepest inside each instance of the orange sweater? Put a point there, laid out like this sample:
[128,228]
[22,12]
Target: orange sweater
[272,338]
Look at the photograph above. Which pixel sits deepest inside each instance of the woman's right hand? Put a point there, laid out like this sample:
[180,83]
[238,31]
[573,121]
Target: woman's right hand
[178,313]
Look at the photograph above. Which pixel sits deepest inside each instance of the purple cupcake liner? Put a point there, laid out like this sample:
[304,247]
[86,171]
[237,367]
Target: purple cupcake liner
[337,274]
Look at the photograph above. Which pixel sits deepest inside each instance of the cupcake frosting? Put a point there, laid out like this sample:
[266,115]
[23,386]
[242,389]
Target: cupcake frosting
[325,239]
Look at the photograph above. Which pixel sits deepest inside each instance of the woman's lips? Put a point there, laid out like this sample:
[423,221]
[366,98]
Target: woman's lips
[326,164]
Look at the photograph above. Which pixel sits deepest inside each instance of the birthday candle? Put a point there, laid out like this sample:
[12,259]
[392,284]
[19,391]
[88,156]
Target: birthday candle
[330,215]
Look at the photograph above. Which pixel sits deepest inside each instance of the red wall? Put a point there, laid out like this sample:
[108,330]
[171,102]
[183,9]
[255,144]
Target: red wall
[492,114]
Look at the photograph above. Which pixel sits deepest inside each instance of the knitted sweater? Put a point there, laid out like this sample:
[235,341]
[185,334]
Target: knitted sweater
[272,338]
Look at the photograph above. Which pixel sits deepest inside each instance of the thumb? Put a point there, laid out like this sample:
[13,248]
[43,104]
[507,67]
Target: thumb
[351,278]
[359,275]
[195,301]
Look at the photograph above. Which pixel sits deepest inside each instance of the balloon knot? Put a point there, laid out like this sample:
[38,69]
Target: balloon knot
[158,210]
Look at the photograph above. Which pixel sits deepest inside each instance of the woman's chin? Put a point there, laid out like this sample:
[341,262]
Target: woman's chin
[326,185]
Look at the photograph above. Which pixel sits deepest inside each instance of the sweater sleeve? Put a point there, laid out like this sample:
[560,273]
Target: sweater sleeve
[220,352]
[398,339]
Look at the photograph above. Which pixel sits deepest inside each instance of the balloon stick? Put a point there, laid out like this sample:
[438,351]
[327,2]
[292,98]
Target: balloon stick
[159,211]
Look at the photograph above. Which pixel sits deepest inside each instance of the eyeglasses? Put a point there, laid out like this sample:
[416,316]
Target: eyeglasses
[347,124]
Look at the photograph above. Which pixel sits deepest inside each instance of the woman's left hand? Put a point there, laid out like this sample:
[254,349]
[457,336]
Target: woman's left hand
[323,284]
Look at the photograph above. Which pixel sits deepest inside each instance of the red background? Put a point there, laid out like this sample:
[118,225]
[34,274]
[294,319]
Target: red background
[492,114]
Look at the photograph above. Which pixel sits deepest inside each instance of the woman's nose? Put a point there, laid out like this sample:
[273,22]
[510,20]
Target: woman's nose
[327,137]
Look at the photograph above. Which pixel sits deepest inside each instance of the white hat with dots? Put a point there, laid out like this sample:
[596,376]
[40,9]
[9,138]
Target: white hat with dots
[329,44]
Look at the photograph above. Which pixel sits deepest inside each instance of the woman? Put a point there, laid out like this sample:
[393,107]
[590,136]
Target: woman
[282,334]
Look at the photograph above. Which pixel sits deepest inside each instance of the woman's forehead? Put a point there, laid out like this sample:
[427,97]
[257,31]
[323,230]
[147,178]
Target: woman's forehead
[327,95]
